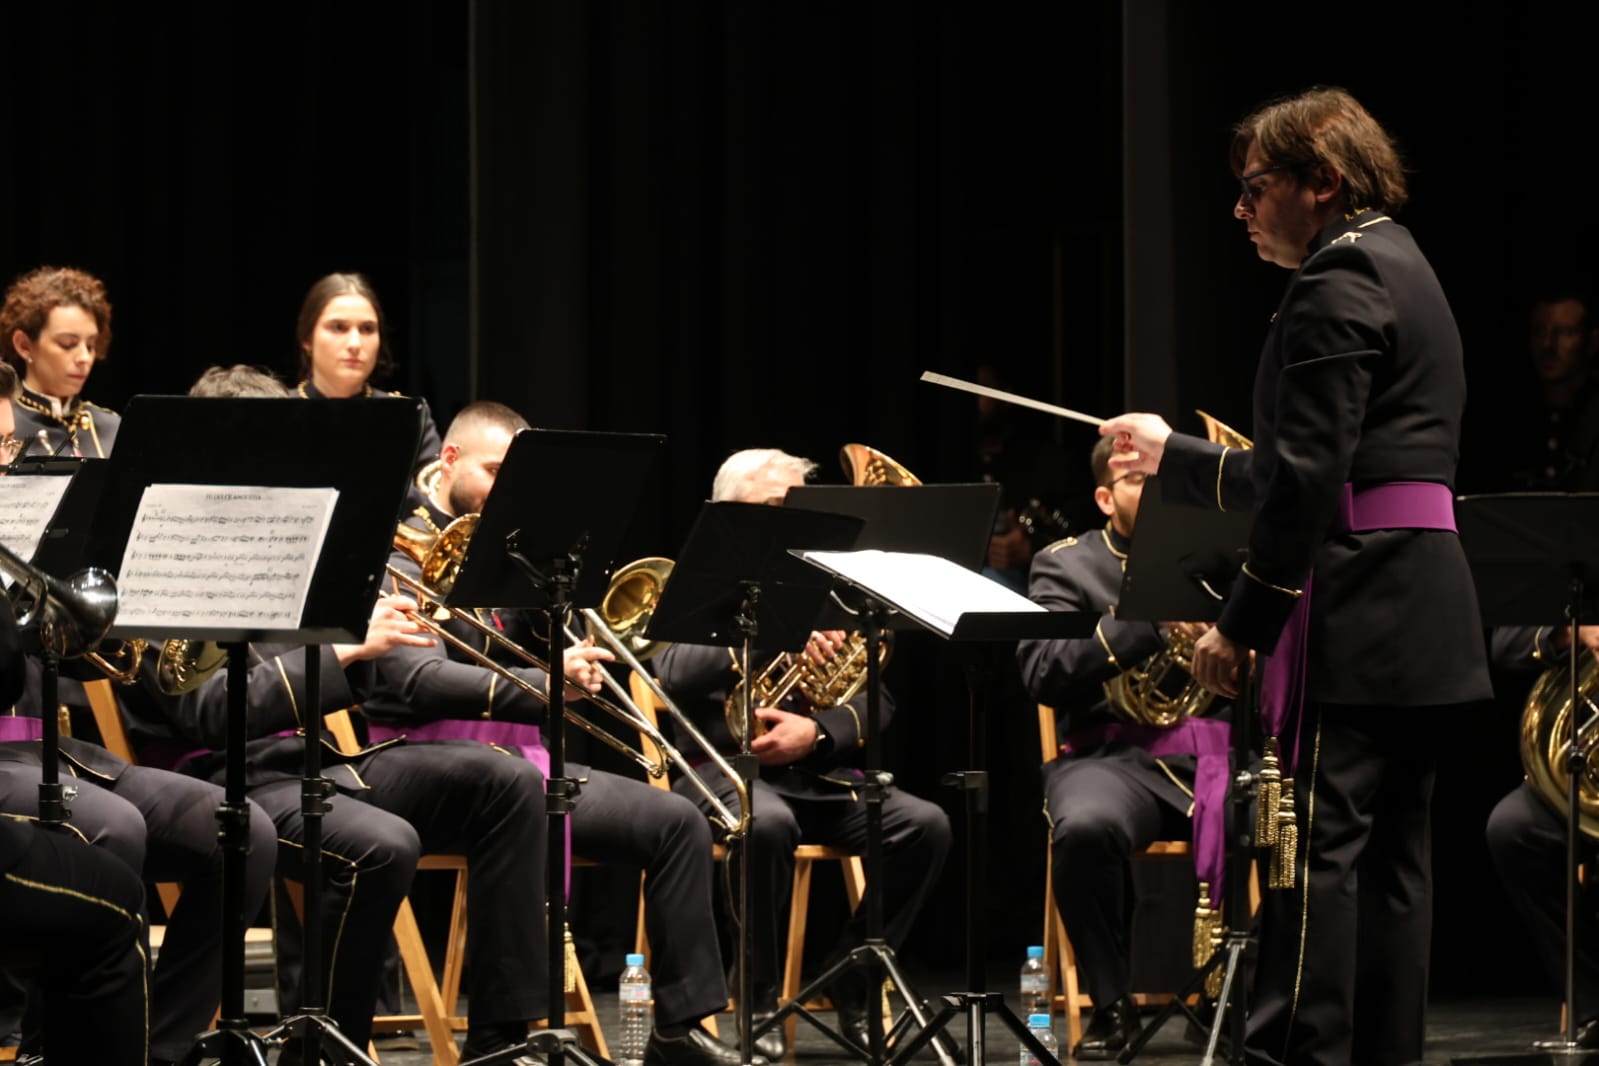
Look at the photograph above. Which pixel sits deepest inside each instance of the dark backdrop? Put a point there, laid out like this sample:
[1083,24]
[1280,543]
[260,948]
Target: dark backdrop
[755,223]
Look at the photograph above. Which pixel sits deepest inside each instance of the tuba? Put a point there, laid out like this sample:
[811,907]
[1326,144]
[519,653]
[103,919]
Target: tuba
[1545,735]
[864,465]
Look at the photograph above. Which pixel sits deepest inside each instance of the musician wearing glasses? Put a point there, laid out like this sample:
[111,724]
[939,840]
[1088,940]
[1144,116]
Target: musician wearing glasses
[393,802]
[1352,553]
[1122,780]
[809,789]
[439,697]
[55,325]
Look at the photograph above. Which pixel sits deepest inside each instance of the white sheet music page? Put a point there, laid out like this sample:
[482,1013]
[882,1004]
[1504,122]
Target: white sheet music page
[27,503]
[222,556]
[929,588]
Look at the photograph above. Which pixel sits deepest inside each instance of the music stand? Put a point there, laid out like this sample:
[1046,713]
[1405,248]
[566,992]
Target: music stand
[735,585]
[363,448]
[1181,564]
[1535,557]
[546,541]
[907,590]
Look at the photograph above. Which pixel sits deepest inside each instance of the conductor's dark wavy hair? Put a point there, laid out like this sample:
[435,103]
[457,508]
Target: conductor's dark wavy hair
[1326,125]
[318,298]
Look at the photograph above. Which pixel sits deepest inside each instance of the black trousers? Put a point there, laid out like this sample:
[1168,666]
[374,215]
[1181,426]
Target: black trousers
[164,826]
[627,822]
[1100,812]
[1343,956]
[73,914]
[1527,840]
[452,798]
[916,841]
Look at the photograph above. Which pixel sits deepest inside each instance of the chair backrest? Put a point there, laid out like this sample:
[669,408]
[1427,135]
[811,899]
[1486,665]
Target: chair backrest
[1049,746]
[113,732]
[341,727]
[650,706]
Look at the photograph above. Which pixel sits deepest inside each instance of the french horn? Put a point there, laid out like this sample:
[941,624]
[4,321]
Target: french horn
[1546,733]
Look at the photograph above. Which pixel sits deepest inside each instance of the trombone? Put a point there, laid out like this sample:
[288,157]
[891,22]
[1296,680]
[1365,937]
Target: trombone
[439,556]
[651,574]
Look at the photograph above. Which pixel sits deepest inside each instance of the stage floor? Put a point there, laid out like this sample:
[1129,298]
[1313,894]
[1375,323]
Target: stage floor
[1455,1029]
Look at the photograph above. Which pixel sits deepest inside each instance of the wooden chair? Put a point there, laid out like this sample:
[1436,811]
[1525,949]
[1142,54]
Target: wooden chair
[438,1001]
[1059,959]
[806,856]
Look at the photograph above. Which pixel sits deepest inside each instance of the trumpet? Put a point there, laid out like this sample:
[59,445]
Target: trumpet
[439,555]
[73,615]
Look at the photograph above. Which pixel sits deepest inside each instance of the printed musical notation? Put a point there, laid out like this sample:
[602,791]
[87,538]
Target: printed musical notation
[217,557]
[27,504]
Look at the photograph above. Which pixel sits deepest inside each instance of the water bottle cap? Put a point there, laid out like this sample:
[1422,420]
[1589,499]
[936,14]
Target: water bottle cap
[1038,1021]
[1035,951]
[635,959]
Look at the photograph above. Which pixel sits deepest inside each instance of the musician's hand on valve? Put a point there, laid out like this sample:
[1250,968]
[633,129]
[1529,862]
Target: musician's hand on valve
[788,737]
[1140,441]
[1216,663]
[584,666]
[824,645]
[392,625]
[1587,635]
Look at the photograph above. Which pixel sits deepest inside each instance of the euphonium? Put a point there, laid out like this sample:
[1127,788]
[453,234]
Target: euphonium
[1545,736]
[828,684]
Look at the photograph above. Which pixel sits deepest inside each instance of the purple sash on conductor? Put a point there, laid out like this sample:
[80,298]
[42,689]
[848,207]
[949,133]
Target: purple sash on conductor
[1208,740]
[524,738]
[1391,505]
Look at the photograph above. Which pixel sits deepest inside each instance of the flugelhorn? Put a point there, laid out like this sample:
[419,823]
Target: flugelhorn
[439,556]
[71,616]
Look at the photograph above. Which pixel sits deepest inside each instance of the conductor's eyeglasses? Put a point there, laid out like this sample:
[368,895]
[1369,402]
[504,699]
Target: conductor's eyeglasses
[1246,191]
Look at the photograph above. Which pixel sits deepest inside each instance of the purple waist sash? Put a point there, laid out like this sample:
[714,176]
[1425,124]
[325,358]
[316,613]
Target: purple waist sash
[515,735]
[1209,740]
[20,727]
[1390,505]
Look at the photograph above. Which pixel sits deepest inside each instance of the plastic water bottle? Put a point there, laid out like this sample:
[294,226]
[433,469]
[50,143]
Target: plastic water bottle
[1038,1025]
[1035,983]
[638,1012]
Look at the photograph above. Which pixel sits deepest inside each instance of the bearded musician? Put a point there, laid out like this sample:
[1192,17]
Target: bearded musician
[1112,792]
[438,697]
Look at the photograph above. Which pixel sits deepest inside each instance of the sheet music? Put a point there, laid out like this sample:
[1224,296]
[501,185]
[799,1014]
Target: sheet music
[929,588]
[27,504]
[222,556]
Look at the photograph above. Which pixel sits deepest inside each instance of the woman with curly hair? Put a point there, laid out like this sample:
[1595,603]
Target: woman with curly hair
[55,325]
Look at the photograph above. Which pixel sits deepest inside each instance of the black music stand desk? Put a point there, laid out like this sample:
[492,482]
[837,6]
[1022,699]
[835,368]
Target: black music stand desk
[362,448]
[547,541]
[1535,560]
[735,584]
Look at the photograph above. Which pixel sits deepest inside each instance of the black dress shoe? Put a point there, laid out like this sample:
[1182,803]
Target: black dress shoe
[694,1048]
[774,1042]
[1110,1030]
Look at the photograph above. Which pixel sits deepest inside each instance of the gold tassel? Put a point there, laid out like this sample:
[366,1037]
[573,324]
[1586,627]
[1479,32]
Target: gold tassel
[1206,921]
[1271,783]
[1285,852]
[571,962]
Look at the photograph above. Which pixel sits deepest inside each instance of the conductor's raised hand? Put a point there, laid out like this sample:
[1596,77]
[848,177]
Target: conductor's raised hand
[1140,441]
[1217,661]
